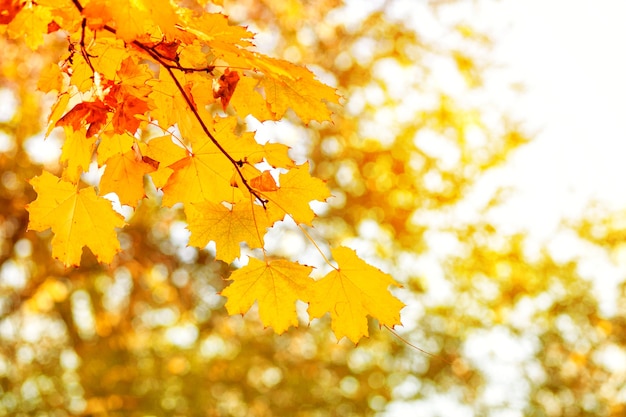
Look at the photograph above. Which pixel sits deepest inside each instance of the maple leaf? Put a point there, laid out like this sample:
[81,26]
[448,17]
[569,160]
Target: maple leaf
[275,284]
[227,227]
[51,79]
[97,13]
[129,96]
[124,176]
[81,75]
[247,100]
[264,182]
[127,108]
[77,218]
[297,189]
[169,106]
[8,10]
[200,176]
[164,150]
[288,85]
[134,77]
[134,20]
[58,108]
[93,114]
[168,50]
[76,153]
[227,84]
[112,144]
[276,154]
[352,292]
[213,28]
[30,23]
[206,173]
[106,56]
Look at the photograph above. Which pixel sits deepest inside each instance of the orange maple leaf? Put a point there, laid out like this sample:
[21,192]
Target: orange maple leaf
[77,218]
[276,285]
[129,97]
[244,222]
[97,13]
[127,108]
[134,77]
[8,10]
[352,292]
[264,182]
[227,84]
[93,114]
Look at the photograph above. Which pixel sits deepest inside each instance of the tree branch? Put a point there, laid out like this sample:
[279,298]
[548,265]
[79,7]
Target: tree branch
[161,60]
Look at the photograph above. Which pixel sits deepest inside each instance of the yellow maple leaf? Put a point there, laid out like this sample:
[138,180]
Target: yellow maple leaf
[82,76]
[276,154]
[131,21]
[51,79]
[164,150]
[107,55]
[113,144]
[352,292]
[77,218]
[206,173]
[213,28]
[297,189]
[247,100]
[57,111]
[97,13]
[244,222]
[200,176]
[134,19]
[31,23]
[295,87]
[169,105]
[124,176]
[76,153]
[240,147]
[276,285]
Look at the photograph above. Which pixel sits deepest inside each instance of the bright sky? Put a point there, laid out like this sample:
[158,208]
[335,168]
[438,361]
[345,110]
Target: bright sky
[572,58]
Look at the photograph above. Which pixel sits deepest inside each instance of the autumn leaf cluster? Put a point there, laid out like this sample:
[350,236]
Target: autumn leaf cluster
[135,68]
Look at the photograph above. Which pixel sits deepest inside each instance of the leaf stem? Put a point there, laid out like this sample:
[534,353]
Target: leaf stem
[406,342]
[310,238]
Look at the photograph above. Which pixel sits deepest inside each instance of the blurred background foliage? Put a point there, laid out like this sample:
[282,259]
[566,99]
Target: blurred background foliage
[515,326]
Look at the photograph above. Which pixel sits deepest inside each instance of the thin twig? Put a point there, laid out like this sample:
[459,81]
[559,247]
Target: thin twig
[83,50]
